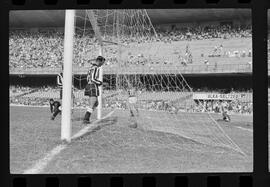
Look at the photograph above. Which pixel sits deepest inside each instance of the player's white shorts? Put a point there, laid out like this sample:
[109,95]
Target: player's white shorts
[132,100]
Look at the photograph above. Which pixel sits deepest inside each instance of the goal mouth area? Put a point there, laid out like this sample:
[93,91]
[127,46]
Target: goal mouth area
[113,147]
[146,138]
[129,150]
[171,135]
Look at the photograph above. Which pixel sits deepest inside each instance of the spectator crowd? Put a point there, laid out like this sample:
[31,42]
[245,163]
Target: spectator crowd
[44,48]
[232,107]
[207,32]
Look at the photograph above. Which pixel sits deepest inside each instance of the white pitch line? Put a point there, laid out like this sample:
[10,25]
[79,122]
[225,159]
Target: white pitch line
[90,127]
[29,106]
[42,163]
[246,129]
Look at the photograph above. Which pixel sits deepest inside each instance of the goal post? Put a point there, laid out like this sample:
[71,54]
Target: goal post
[99,107]
[66,126]
[67,75]
[137,57]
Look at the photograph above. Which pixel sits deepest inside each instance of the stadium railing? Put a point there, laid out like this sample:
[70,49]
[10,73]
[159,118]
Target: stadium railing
[144,69]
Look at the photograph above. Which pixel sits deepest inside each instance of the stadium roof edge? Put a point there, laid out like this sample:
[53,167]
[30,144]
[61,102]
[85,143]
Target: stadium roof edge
[55,18]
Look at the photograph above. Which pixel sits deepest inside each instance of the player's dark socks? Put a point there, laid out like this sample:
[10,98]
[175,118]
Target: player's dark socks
[51,108]
[86,122]
[86,118]
[227,119]
[55,114]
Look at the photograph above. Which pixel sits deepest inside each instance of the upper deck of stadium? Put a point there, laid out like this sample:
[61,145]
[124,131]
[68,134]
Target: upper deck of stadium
[218,65]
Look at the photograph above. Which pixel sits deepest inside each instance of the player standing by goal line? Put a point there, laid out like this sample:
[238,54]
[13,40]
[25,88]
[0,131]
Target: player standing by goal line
[92,87]
[133,107]
[59,80]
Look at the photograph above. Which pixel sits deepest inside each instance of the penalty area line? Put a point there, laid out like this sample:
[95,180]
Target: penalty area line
[42,163]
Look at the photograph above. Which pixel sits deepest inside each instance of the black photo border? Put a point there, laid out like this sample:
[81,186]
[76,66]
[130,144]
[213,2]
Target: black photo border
[260,176]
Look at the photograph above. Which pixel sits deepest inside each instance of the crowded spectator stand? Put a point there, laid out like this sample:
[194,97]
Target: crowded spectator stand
[44,48]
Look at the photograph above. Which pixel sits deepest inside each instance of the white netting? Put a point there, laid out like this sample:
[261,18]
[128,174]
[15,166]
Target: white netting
[132,50]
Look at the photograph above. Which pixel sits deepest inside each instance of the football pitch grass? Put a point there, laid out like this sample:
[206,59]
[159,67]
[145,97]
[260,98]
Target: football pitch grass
[114,147]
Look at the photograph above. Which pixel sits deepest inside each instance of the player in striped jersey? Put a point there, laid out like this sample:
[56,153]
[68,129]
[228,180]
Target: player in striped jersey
[59,80]
[92,87]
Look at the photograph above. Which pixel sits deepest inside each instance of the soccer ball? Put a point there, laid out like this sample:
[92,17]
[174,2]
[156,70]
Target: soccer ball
[133,125]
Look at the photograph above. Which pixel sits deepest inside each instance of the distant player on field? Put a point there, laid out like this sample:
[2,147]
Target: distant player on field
[133,107]
[92,87]
[55,107]
[224,111]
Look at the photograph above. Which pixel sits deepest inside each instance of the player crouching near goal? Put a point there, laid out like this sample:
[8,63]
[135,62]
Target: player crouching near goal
[55,107]
[92,87]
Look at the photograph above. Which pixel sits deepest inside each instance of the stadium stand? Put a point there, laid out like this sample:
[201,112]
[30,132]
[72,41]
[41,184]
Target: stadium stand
[209,32]
[208,50]
[212,49]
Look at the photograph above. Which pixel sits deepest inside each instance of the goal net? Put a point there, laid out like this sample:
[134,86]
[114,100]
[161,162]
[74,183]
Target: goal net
[144,86]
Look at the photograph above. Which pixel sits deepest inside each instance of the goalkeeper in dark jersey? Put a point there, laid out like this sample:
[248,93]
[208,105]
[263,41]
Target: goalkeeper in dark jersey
[92,87]
[55,107]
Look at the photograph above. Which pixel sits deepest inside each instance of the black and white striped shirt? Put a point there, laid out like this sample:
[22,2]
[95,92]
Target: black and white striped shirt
[60,80]
[93,75]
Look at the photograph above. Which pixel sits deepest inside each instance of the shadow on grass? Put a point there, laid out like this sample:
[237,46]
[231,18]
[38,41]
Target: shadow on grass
[99,125]
[77,119]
